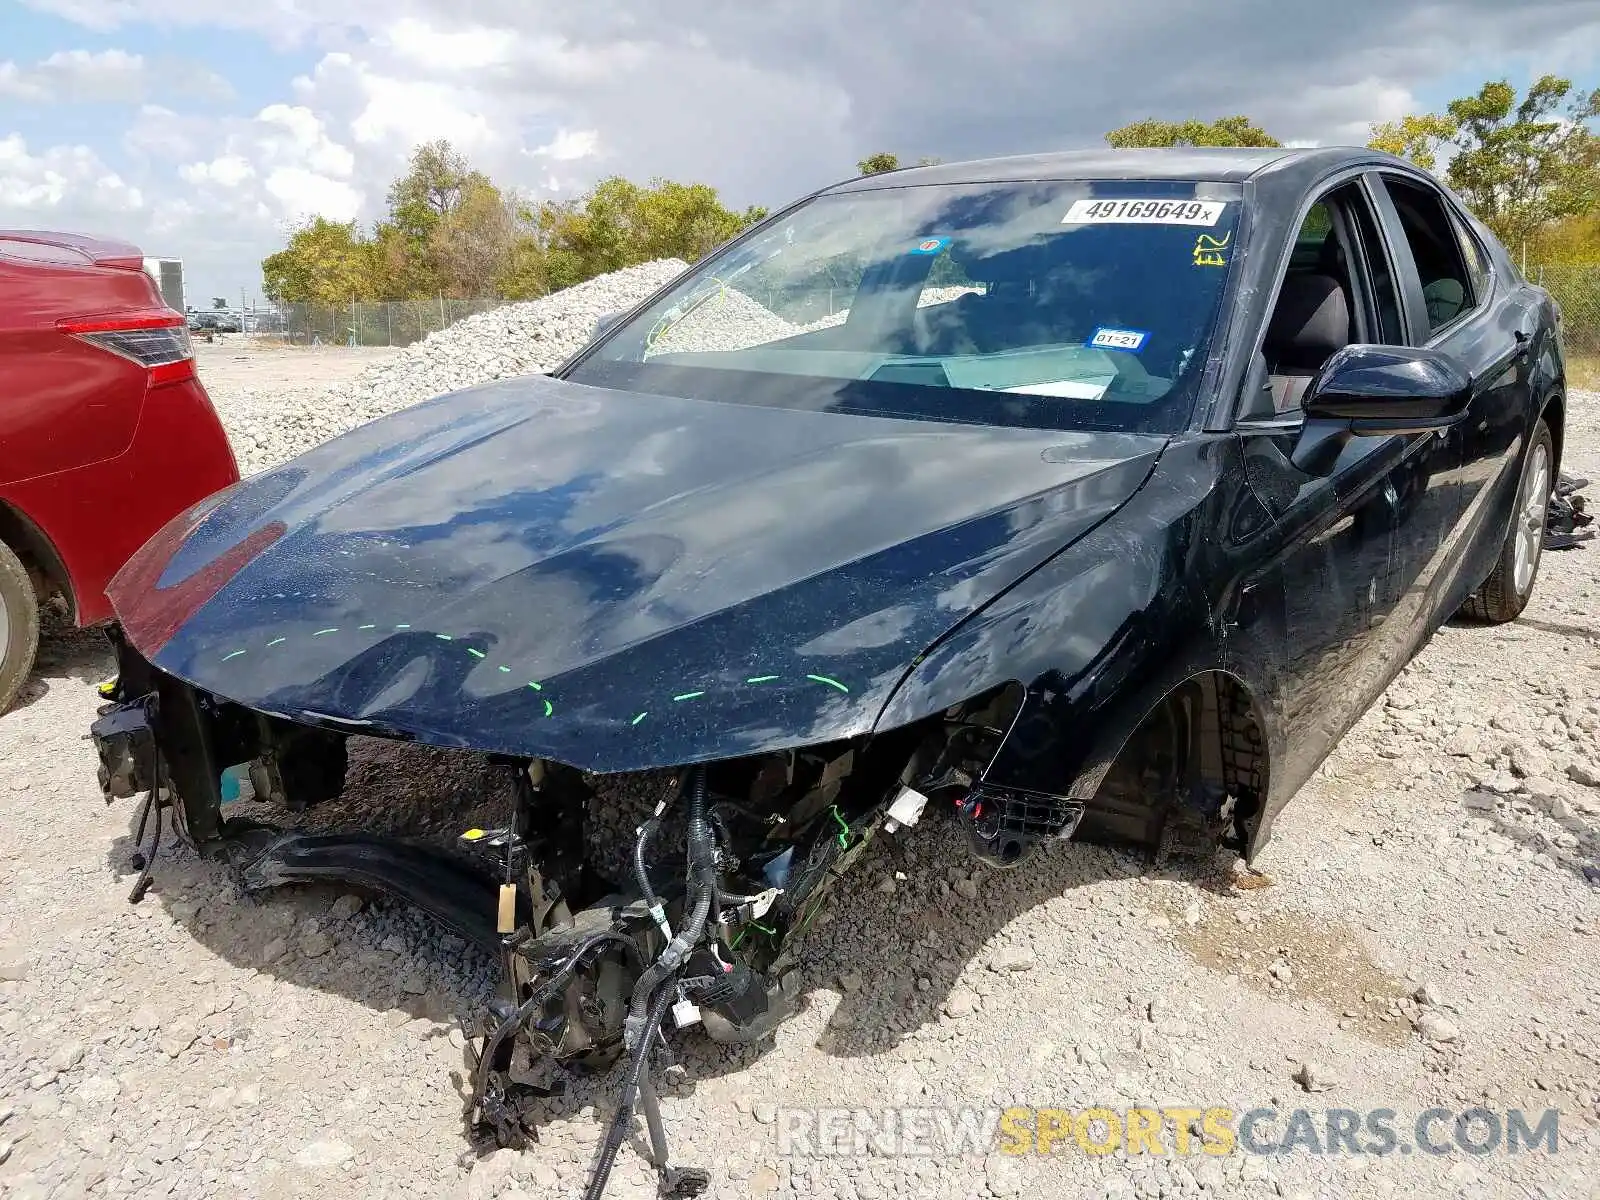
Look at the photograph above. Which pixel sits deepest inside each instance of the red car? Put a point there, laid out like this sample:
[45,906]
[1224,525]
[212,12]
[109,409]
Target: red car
[105,431]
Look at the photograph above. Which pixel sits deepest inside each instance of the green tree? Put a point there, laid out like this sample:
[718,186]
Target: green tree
[524,274]
[618,223]
[877,164]
[397,263]
[469,244]
[1415,137]
[325,262]
[1520,166]
[1567,242]
[423,248]
[438,180]
[1225,131]
[450,231]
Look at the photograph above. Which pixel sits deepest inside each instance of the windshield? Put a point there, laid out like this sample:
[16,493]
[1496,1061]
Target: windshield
[1052,305]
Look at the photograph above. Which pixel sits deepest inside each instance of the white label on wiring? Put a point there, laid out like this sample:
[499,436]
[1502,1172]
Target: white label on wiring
[1144,212]
[685,1013]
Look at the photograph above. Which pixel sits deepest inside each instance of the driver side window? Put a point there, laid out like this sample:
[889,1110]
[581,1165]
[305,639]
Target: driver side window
[1338,291]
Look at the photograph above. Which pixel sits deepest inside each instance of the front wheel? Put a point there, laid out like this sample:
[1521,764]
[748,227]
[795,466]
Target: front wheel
[1506,592]
[19,626]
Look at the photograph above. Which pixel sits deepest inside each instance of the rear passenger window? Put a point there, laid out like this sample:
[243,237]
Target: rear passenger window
[1472,253]
[1435,244]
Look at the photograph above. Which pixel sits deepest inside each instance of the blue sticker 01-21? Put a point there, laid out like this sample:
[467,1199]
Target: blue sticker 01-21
[930,245]
[1107,338]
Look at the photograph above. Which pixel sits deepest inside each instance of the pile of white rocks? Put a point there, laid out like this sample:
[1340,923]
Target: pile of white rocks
[733,321]
[517,339]
[729,320]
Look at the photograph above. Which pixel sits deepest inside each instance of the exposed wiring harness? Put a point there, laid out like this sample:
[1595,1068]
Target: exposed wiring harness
[641,874]
[660,981]
[542,996]
[617,1132]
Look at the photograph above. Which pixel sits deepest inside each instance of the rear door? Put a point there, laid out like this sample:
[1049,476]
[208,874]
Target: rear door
[1454,303]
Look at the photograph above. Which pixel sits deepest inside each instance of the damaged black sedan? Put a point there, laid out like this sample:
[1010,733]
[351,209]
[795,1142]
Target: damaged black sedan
[1085,495]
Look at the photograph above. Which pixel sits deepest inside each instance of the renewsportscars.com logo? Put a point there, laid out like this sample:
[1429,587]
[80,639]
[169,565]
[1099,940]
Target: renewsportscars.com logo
[1268,1131]
[1170,1130]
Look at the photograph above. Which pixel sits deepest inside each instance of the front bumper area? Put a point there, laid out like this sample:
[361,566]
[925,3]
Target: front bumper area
[723,868]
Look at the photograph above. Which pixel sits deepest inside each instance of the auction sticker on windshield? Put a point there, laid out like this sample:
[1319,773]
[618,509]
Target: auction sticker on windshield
[1144,212]
[1106,338]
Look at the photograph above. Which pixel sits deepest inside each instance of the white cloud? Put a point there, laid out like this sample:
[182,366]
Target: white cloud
[282,165]
[451,49]
[569,145]
[17,84]
[227,170]
[92,14]
[1346,112]
[67,181]
[215,190]
[764,101]
[304,193]
[106,76]
[294,135]
[158,134]
[402,112]
[282,21]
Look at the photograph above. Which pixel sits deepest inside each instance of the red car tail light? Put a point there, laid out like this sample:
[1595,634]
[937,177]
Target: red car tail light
[156,339]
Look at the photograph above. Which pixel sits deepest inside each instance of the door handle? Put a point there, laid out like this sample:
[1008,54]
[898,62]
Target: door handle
[1524,340]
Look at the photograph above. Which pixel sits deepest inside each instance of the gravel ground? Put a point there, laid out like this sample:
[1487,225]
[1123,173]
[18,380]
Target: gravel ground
[205,1044]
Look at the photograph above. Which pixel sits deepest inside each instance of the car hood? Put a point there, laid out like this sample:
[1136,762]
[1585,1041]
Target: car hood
[609,579]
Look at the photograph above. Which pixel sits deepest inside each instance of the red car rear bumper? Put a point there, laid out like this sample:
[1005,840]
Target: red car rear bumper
[96,516]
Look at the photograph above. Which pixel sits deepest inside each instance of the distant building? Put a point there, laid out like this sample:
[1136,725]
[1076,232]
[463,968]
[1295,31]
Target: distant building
[168,274]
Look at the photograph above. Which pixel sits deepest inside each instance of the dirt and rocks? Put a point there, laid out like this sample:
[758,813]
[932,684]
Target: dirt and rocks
[1423,933]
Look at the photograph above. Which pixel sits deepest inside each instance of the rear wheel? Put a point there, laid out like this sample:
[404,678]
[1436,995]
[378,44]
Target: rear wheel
[19,626]
[1506,592]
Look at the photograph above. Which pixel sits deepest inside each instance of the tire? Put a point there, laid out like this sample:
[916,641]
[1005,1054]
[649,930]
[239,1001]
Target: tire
[19,626]
[1506,592]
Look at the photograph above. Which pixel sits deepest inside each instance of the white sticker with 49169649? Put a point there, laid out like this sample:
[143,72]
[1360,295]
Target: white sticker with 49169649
[1144,212]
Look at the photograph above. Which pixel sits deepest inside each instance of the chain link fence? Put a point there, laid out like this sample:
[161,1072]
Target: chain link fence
[1577,290]
[386,323]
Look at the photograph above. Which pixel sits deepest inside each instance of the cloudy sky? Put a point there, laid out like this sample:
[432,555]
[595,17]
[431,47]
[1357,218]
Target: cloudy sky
[201,130]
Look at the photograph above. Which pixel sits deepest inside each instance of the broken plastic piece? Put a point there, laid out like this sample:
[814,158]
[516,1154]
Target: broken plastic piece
[236,784]
[1005,824]
[906,809]
[763,902]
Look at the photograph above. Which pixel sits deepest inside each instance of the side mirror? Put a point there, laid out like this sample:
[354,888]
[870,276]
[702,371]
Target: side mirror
[1379,391]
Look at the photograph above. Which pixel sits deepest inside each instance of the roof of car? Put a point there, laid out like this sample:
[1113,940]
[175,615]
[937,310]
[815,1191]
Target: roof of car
[1219,164]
